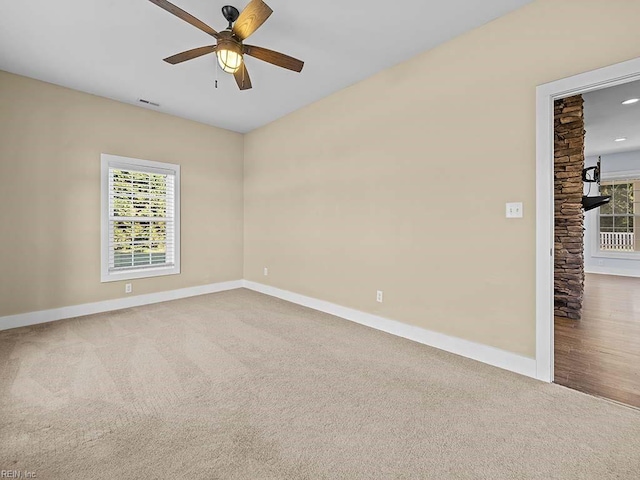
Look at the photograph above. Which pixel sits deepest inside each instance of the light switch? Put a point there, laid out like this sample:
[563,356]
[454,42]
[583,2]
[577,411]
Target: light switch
[514,210]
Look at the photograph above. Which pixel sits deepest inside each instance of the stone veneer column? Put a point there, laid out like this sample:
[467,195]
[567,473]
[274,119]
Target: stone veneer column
[569,216]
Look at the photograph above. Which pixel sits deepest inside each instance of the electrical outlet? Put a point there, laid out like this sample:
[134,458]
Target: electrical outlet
[379,296]
[127,288]
[266,271]
[514,210]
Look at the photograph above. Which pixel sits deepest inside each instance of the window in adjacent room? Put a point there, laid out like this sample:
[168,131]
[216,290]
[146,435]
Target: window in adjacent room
[140,218]
[618,218]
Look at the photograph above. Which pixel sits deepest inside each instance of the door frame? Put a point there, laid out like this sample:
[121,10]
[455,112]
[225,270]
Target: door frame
[610,76]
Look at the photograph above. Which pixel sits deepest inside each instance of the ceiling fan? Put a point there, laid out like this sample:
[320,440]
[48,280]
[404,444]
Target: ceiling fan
[230,48]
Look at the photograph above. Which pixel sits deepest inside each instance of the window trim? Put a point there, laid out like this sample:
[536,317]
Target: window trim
[621,176]
[106,160]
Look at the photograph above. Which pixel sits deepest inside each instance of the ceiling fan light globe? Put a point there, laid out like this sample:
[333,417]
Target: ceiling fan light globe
[229,61]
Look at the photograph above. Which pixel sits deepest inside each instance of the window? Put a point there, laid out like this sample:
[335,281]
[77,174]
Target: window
[140,218]
[618,218]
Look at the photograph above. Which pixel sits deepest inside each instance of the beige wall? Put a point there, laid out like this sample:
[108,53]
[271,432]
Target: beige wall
[51,139]
[398,183]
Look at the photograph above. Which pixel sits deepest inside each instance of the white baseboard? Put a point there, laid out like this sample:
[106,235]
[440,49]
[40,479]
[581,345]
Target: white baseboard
[618,272]
[43,316]
[476,351]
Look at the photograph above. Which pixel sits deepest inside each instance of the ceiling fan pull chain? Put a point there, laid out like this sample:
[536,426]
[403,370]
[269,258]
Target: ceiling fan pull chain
[216,76]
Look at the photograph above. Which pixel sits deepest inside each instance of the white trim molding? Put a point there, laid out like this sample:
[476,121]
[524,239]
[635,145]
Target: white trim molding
[545,95]
[44,316]
[618,272]
[620,175]
[476,351]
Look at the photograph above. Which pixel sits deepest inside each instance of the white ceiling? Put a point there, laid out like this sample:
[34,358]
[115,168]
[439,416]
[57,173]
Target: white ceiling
[114,48]
[605,119]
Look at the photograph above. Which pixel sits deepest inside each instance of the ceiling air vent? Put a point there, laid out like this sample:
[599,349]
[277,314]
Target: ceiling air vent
[147,102]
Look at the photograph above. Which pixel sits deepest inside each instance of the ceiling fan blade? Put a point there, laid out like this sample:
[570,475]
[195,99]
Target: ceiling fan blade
[189,54]
[275,58]
[242,78]
[187,17]
[254,15]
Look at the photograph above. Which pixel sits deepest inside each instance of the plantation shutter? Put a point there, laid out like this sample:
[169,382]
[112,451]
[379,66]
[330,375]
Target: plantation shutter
[141,223]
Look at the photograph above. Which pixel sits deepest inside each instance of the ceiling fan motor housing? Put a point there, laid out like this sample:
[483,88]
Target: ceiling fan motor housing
[228,41]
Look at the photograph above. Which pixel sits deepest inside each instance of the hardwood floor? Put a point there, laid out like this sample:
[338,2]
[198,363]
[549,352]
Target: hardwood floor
[600,354]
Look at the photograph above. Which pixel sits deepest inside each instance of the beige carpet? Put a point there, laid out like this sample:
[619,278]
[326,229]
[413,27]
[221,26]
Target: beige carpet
[238,385]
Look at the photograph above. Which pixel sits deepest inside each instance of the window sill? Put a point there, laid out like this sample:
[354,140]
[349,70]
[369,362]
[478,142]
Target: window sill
[135,274]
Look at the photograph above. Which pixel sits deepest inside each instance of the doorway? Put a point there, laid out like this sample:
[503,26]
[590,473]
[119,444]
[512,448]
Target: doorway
[545,96]
[597,257]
